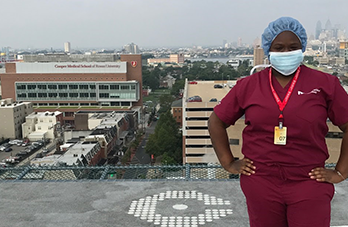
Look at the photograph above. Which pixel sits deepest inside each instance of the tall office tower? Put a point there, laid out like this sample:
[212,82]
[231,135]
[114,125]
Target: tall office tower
[258,55]
[240,42]
[131,48]
[67,47]
[318,30]
[328,25]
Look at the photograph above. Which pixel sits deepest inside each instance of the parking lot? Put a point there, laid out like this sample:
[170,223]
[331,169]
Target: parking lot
[20,152]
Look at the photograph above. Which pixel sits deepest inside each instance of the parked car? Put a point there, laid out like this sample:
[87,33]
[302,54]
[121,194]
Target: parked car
[8,149]
[39,155]
[218,86]
[22,153]
[195,98]
[193,82]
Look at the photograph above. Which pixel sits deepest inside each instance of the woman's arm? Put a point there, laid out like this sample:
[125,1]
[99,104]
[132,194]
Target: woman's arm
[219,139]
[341,171]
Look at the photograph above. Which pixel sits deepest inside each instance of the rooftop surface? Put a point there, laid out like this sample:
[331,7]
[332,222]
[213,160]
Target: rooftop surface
[135,204]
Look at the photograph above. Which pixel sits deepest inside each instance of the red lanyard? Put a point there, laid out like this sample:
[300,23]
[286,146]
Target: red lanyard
[287,96]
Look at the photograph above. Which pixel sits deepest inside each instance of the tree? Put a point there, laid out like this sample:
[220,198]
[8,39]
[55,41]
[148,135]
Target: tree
[179,84]
[166,140]
[165,102]
[151,79]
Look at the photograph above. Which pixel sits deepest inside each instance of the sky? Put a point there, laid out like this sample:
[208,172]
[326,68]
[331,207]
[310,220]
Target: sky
[111,24]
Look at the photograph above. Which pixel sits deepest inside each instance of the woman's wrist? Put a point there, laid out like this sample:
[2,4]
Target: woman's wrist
[340,174]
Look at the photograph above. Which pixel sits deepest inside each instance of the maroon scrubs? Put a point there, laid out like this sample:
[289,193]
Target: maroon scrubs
[281,191]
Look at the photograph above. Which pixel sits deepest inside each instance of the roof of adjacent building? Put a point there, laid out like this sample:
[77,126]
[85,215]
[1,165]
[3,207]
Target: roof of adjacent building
[135,203]
[177,103]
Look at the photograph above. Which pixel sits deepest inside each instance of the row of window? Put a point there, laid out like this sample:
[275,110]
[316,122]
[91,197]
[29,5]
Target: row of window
[77,95]
[74,87]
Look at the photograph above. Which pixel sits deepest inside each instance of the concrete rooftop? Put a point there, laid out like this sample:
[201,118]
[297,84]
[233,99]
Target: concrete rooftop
[134,204]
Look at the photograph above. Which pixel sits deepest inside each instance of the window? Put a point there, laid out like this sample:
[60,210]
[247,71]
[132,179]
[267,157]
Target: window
[62,86]
[73,95]
[103,87]
[73,86]
[42,95]
[92,86]
[52,95]
[21,95]
[92,95]
[104,95]
[83,86]
[132,87]
[31,86]
[124,87]
[115,96]
[114,87]
[42,86]
[52,86]
[85,95]
[63,95]
[21,87]
[32,95]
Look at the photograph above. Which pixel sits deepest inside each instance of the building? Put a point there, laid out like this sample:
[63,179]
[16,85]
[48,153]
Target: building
[12,116]
[197,147]
[65,57]
[343,50]
[176,111]
[67,47]
[42,125]
[258,56]
[131,48]
[167,81]
[173,58]
[73,86]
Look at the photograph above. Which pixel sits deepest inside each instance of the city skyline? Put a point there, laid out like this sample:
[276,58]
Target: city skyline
[153,23]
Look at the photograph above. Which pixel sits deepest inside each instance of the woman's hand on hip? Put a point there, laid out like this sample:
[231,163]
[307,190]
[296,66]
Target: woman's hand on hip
[325,175]
[244,166]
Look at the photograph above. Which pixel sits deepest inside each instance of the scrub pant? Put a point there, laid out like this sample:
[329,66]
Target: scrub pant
[275,201]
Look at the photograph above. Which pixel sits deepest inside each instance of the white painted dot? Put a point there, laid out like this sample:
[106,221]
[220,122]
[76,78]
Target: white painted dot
[180,207]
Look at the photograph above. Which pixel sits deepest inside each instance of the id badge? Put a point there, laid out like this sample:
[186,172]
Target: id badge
[279,135]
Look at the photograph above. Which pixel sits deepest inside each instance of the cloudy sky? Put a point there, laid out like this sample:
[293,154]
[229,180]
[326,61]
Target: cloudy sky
[153,23]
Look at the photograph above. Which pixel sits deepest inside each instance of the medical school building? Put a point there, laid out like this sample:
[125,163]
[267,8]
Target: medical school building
[69,87]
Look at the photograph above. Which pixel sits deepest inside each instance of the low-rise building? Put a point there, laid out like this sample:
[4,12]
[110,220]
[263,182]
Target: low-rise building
[42,125]
[12,116]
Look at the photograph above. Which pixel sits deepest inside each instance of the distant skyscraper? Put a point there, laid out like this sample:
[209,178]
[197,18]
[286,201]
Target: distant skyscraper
[67,47]
[258,56]
[328,25]
[240,42]
[318,30]
[131,48]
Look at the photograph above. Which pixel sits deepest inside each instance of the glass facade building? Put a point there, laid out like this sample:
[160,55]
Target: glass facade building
[104,93]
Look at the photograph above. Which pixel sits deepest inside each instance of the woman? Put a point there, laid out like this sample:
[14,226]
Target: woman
[286,106]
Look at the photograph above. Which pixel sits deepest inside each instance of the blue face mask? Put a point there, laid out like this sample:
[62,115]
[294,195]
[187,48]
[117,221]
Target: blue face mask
[286,63]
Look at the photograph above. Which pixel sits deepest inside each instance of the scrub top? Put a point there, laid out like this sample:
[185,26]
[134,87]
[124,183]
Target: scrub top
[316,97]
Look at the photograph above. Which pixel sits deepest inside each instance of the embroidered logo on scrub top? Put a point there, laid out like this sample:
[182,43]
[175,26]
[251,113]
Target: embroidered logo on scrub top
[314,91]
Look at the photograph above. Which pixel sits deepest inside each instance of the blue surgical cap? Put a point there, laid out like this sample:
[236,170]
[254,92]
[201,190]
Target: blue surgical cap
[280,25]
